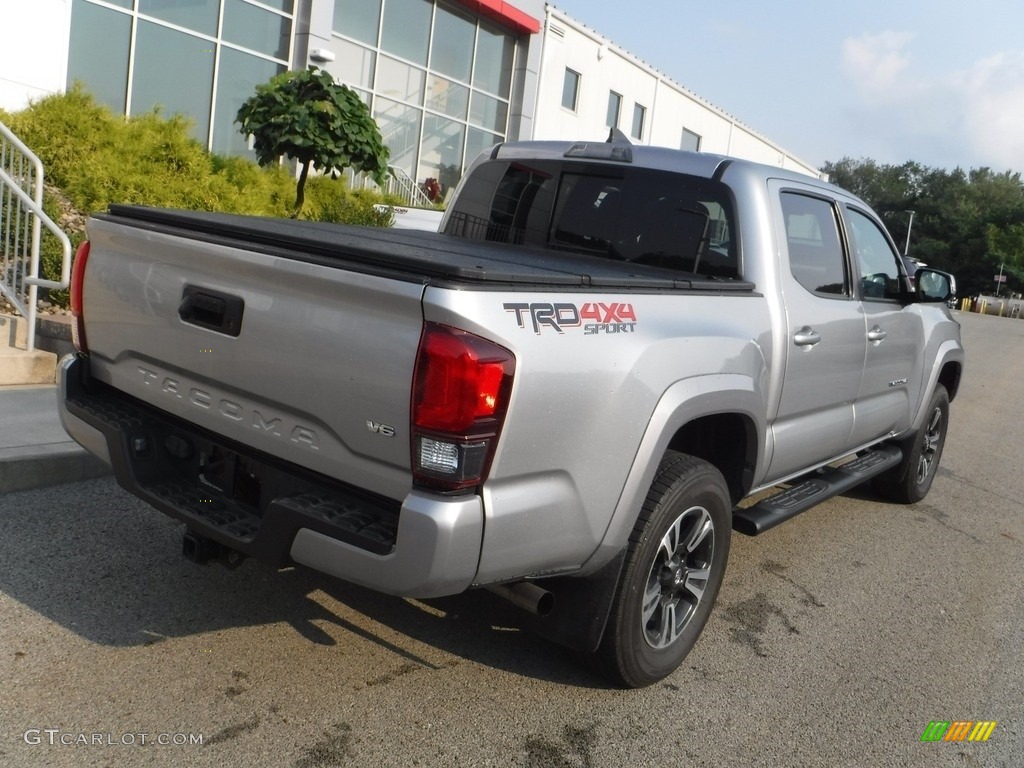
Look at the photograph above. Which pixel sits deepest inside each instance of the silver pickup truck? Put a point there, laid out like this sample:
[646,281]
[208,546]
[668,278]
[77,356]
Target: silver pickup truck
[568,395]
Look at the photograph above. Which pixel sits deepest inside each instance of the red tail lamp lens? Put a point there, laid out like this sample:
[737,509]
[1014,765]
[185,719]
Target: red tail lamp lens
[460,395]
[77,308]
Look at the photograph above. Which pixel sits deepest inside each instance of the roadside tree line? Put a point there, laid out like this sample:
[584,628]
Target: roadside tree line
[970,223]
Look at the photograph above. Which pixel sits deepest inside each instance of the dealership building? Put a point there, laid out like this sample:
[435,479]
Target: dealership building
[445,79]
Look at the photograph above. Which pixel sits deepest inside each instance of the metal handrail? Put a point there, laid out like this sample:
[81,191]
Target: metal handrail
[21,215]
[409,190]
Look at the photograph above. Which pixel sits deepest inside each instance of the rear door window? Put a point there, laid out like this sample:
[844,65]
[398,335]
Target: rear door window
[816,256]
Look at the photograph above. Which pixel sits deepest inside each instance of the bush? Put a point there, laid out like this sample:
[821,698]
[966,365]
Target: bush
[96,158]
[332,200]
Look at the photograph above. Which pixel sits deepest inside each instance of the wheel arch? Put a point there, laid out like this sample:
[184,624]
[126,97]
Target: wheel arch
[726,440]
[718,418]
[947,371]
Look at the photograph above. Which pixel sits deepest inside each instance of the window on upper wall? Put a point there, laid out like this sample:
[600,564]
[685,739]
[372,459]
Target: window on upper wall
[570,89]
[691,141]
[405,30]
[103,69]
[358,18]
[614,108]
[639,115]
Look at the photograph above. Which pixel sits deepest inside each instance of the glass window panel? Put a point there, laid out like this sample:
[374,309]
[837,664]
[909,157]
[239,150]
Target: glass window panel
[353,64]
[478,141]
[406,29]
[129,4]
[237,78]
[488,112]
[570,89]
[400,129]
[448,97]
[452,50]
[399,81]
[281,5]
[184,88]
[200,15]
[101,67]
[614,107]
[441,154]
[357,18]
[493,68]
[816,256]
[639,113]
[879,275]
[691,141]
[256,28]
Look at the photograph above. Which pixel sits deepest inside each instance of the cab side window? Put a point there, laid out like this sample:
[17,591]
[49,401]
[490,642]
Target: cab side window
[816,256]
[879,273]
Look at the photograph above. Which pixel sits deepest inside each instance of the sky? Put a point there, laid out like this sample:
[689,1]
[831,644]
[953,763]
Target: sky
[933,81]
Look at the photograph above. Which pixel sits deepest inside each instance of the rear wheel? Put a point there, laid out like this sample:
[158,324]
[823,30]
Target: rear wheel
[912,479]
[674,566]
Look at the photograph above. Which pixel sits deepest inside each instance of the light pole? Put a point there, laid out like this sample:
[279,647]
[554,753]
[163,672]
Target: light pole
[910,224]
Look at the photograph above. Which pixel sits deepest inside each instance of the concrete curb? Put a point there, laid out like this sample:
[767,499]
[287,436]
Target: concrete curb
[35,451]
[45,466]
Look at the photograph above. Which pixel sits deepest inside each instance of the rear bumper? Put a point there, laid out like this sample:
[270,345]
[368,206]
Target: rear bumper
[275,511]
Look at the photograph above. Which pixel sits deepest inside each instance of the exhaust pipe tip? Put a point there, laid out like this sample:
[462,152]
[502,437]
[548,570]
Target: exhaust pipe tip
[526,595]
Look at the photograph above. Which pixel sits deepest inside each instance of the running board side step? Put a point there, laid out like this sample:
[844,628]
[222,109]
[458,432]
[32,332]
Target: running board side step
[822,486]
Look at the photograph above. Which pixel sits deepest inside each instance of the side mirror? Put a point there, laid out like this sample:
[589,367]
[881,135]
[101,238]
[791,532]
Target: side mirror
[934,286]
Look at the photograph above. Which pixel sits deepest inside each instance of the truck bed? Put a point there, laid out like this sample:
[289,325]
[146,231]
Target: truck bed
[423,257]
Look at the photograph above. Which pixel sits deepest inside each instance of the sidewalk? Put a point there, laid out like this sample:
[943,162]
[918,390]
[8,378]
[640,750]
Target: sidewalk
[35,451]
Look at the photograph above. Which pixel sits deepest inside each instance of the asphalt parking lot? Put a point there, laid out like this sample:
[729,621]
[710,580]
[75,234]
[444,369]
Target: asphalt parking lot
[836,640]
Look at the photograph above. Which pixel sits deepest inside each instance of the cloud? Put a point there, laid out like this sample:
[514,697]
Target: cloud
[876,64]
[968,117]
[992,98]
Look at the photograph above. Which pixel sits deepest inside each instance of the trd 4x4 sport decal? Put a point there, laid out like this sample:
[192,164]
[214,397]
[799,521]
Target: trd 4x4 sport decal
[594,317]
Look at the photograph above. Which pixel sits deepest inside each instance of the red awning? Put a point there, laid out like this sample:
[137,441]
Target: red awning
[504,14]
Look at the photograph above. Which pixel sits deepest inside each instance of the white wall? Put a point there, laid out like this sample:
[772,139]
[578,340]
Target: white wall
[34,51]
[605,67]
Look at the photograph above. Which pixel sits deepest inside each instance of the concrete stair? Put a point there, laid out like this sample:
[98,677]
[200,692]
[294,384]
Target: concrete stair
[18,366]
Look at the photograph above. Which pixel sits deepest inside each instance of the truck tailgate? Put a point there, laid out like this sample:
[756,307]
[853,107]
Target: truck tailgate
[307,362]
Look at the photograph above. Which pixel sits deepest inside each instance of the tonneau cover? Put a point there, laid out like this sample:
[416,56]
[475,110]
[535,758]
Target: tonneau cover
[425,256]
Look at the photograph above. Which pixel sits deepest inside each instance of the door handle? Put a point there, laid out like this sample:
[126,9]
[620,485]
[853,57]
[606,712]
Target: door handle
[876,335]
[806,337]
[211,309]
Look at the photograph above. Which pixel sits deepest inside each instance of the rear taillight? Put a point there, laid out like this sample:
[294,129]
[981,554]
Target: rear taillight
[77,278]
[460,395]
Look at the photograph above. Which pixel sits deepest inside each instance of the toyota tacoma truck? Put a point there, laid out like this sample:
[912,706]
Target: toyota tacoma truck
[568,395]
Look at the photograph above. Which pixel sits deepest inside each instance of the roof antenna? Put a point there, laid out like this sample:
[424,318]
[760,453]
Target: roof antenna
[615,136]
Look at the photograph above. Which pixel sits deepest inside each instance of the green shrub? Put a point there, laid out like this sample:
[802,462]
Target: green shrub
[97,158]
[333,201]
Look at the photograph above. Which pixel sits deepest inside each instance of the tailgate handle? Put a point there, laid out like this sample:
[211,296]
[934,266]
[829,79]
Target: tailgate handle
[211,309]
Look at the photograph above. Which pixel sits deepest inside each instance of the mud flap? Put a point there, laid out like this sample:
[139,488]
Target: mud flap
[581,608]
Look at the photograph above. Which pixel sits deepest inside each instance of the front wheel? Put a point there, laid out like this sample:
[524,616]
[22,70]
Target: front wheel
[673,569]
[912,479]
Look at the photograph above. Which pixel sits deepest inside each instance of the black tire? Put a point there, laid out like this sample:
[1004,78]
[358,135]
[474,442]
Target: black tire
[674,566]
[910,482]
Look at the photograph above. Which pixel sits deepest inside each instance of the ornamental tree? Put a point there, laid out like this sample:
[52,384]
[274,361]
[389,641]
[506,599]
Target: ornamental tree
[308,117]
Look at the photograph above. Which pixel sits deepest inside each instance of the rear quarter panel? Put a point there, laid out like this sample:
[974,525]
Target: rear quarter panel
[583,400]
